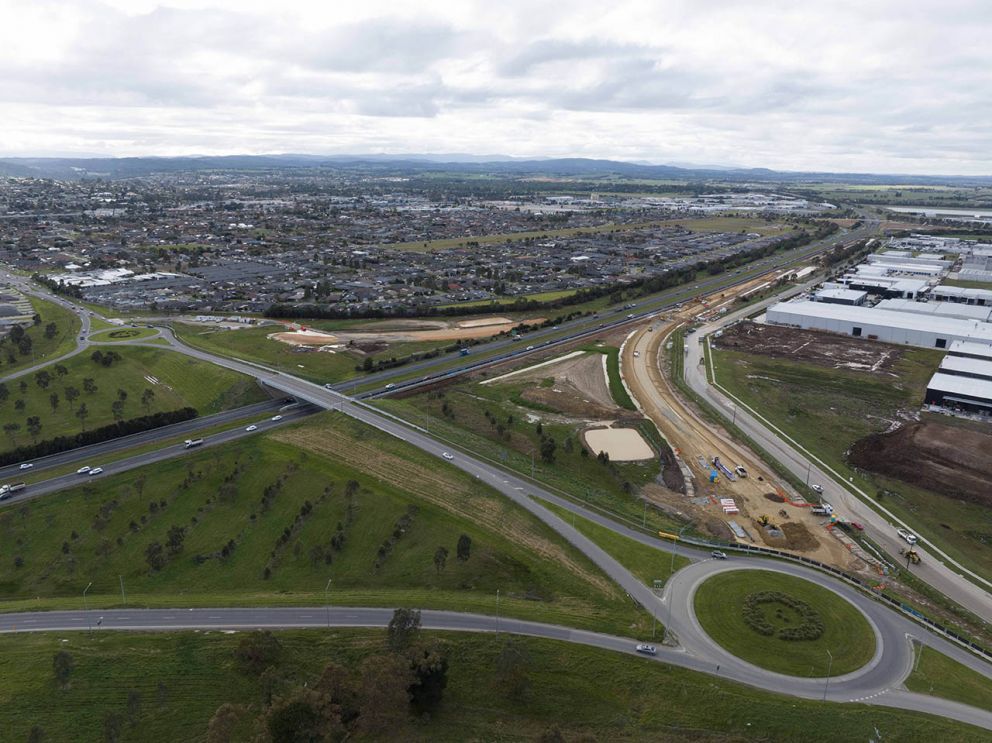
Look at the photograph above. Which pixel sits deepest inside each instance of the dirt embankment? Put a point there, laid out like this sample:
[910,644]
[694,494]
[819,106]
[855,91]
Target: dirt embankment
[810,346]
[947,460]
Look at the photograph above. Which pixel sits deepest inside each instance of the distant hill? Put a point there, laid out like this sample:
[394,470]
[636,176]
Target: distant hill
[131,167]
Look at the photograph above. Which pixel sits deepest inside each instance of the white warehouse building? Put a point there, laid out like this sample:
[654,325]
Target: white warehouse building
[904,328]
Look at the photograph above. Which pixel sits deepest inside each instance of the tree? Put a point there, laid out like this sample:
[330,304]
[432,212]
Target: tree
[430,678]
[117,410]
[4,392]
[51,330]
[155,556]
[338,694]
[133,706]
[19,405]
[11,429]
[43,379]
[63,665]
[34,427]
[223,726]
[112,727]
[121,394]
[464,548]
[37,734]
[257,651]
[89,386]
[384,699]
[513,669]
[403,628]
[146,397]
[60,370]
[175,539]
[83,413]
[53,400]
[548,447]
[296,719]
[440,558]
[71,394]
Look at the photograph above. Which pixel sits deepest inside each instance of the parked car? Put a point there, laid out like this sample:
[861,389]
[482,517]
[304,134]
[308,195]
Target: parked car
[718,555]
[447,455]
[647,649]
[83,470]
[95,471]
[908,536]
[252,427]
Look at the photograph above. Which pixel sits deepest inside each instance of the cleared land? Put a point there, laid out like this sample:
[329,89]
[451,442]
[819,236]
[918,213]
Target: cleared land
[940,676]
[439,331]
[180,679]
[830,410]
[948,460]
[174,381]
[620,444]
[720,607]
[42,347]
[267,520]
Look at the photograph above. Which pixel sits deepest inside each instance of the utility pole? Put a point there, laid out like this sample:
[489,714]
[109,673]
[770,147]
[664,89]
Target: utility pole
[123,597]
[497,611]
[86,608]
[808,466]
[327,603]
[734,421]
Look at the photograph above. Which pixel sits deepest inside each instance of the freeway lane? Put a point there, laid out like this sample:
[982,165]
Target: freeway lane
[105,448]
[944,574]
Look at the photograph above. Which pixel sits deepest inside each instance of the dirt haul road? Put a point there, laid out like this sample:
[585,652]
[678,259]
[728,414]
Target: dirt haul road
[693,438]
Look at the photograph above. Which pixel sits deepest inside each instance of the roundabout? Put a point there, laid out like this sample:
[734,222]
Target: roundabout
[784,623]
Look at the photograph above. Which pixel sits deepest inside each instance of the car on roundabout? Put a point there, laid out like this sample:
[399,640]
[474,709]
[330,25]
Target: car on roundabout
[718,554]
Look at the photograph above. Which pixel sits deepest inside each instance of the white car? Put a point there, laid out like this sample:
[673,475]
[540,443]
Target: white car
[816,488]
[27,466]
[83,470]
[95,471]
[908,536]
[637,354]
[252,427]
[276,417]
[647,649]
[390,386]
[447,455]
[529,348]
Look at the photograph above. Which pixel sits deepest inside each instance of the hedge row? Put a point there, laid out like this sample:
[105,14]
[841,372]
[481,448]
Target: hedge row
[754,617]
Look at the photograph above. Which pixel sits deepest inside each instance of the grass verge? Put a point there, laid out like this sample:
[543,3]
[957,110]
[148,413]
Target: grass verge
[938,675]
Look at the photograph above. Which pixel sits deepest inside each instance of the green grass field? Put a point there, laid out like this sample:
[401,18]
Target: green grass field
[617,390]
[250,537]
[66,325]
[827,410]
[180,679]
[940,676]
[719,606]
[506,436]
[967,284]
[644,562]
[179,381]
[118,335]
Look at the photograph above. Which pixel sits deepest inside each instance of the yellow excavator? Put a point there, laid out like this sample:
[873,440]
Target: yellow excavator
[910,554]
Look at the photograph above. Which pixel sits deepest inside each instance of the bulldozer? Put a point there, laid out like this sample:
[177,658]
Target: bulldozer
[910,554]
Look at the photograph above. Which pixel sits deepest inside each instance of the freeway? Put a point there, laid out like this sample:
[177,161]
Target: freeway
[944,573]
[108,448]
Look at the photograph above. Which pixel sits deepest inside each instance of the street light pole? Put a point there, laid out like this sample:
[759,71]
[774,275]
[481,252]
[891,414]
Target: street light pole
[327,603]
[808,466]
[497,611]
[829,666]
[671,571]
[123,597]
[86,607]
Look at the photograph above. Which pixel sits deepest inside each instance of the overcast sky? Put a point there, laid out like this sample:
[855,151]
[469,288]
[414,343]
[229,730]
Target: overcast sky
[873,85]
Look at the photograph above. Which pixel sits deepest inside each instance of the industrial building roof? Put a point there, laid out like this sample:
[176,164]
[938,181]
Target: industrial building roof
[951,327]
[847,295]
[937,309]
[975,367]
[963,291]
[954,385]
[970,348]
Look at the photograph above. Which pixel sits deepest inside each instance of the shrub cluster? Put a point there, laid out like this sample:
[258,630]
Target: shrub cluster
[403,523]
[810,629]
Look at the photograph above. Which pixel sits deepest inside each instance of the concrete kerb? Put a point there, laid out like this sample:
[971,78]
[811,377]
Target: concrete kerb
[838,478]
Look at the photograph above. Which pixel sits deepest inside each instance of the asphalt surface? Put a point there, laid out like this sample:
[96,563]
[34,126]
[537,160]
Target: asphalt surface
[937,569]
[191,427]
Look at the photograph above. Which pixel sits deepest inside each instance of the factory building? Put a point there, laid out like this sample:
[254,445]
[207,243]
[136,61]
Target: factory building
[970,350]
[850,297]
[937,309]
[903,328]
[962,294]
[886,286]
[963,384]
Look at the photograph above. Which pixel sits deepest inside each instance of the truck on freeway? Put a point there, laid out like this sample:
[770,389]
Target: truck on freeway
[190,443]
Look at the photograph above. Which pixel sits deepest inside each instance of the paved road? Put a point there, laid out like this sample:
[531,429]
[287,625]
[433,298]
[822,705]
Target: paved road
[107,448]
[947,577]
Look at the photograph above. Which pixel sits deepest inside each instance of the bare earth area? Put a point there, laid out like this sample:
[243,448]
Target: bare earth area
[948,460]
[580,388]
[621,444]
[811,346]
[416,331]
